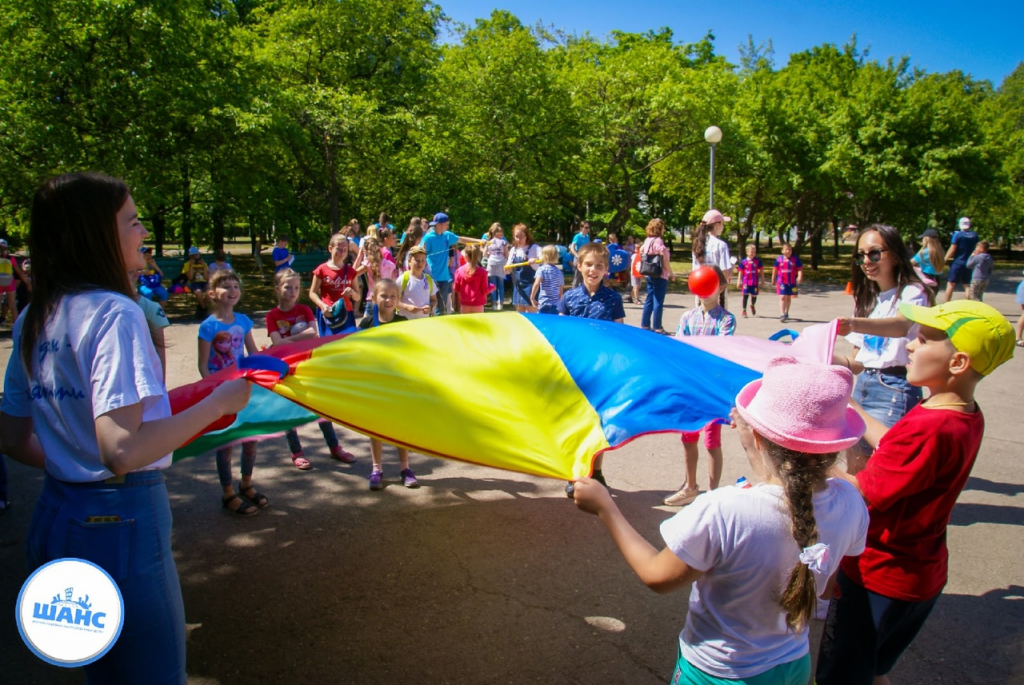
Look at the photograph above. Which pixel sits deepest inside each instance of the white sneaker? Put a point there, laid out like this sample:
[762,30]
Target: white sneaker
[681,498]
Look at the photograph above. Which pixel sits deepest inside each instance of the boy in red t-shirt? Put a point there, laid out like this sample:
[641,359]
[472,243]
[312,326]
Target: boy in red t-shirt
[910,484]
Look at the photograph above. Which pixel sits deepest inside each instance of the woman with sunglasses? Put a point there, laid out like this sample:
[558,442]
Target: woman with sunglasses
[883,277]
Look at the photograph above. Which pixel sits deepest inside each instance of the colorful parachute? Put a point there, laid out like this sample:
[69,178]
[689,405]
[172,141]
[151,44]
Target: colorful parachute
[530,393]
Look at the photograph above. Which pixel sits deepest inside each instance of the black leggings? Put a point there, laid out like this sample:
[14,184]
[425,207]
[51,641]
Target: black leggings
[753,300]
[224,462]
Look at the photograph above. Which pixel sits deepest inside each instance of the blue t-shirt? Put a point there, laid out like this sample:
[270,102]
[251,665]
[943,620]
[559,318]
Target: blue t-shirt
[579,240]
[965,242]
[227,341]
[280,253]
[605,304]
[437,253]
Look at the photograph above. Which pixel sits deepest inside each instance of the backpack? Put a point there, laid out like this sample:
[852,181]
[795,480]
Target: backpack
[403,283]
[6,272]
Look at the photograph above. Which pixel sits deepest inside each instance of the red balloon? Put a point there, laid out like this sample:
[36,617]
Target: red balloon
[703,282]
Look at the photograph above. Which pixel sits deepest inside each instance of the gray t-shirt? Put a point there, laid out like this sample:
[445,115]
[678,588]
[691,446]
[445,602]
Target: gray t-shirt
[981,264]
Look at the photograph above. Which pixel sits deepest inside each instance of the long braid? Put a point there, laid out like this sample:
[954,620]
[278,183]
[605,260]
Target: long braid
[801,474]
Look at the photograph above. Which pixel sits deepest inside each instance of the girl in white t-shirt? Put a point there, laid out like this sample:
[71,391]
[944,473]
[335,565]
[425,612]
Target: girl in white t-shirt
[883,276]
[710,249]
[758,557]
[497,254]
[84,399]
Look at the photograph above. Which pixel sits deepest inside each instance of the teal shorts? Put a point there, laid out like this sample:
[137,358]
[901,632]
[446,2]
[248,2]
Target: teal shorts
[796,672]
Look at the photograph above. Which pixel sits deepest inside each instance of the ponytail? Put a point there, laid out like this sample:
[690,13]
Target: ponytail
[700,241]
[801,474]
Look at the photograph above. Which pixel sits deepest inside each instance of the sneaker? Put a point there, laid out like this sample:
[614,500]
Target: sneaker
[744,313]
[376,480]
[409,479]
[569,490]
[339,453]
[753,310]
[682,497]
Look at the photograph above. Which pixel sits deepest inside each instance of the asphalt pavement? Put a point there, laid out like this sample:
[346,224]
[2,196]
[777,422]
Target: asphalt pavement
[486,576]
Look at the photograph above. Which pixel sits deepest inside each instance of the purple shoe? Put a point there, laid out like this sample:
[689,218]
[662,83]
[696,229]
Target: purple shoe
[409,479]
[376,480]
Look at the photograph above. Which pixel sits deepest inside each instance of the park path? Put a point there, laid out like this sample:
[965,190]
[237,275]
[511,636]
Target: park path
[483,576]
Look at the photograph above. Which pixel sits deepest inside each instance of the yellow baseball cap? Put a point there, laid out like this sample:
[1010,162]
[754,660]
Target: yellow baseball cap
[974,328]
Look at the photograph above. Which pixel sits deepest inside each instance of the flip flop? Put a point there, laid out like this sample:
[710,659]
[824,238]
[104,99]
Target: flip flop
[257,498]
[243,509]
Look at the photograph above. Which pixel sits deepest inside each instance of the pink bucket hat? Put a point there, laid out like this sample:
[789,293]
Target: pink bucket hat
[802,406]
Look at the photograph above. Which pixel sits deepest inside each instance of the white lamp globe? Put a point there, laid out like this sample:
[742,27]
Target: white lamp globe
[713,134]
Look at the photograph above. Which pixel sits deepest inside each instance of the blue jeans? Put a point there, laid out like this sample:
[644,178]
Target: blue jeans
[136,552]
[654,302]
[885,397]
[499,288]
[444,298]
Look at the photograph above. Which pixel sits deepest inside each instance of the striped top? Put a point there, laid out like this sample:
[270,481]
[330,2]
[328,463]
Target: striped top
[551,282]
[786,270]
[750,271]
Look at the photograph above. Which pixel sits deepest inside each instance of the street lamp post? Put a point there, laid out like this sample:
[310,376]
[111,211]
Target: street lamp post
[713,135]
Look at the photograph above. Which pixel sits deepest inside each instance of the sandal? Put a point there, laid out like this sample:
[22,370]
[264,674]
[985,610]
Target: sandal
[1020,343]
[301,463]
[257,498]
[661,331]
[243,508]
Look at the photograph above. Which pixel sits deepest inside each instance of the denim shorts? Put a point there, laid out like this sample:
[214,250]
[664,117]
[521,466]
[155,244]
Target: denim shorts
[136,552]
[886,397]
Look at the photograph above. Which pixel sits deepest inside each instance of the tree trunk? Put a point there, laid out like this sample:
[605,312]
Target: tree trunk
[332,174]
[218,216]
[816,250]
[186,210]
[159,224]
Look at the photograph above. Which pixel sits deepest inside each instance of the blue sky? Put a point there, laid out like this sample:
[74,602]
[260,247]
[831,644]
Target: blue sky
[983,39]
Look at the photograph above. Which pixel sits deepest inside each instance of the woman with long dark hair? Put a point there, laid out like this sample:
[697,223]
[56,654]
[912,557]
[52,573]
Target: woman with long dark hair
[883,277]
[84,399]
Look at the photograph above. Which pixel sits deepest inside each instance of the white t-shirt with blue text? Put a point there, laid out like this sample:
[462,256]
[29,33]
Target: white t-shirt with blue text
[93,356]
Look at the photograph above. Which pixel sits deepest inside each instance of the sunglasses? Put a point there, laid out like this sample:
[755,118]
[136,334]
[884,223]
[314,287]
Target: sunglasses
[873,255]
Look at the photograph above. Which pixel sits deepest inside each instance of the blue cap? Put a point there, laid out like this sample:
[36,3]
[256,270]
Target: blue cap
[193,250]
[439,218]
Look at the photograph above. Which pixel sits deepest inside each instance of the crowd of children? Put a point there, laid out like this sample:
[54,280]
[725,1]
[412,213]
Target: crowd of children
[758,558]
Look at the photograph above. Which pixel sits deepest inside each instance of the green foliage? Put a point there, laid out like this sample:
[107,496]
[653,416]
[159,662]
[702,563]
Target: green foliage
[256,116]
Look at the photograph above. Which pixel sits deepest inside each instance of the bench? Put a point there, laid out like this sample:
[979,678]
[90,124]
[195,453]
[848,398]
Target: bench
[302,263]
[170,266]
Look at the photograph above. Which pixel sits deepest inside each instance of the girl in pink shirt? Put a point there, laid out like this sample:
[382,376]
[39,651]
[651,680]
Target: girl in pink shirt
[471,283]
